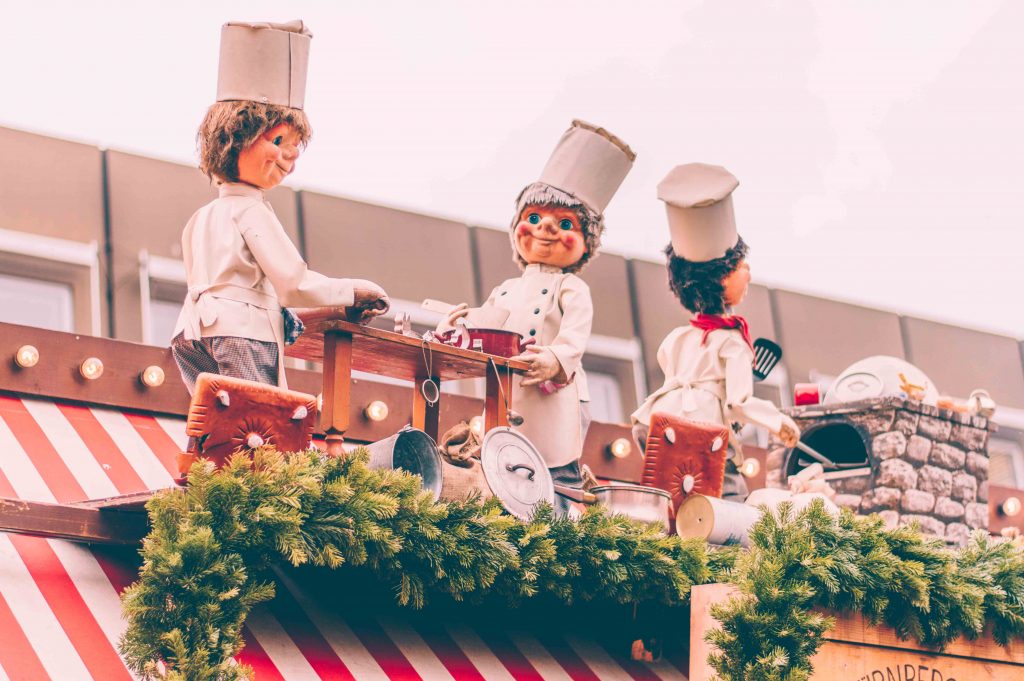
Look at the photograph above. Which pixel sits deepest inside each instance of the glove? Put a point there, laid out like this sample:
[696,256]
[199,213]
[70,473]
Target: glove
[544,366]
[448,323]
[789,433]
[370,300]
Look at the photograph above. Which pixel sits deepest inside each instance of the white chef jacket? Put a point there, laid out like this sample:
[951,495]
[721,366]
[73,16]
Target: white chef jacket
[555,308]
[241,267]
[713,383]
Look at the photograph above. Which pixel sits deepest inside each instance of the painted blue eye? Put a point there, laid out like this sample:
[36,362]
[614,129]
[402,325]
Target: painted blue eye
[565,224]
[278,140]
[534,218]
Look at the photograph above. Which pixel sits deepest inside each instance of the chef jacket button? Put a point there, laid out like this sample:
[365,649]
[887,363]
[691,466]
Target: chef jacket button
[544,292]
[536,310]
[533,332]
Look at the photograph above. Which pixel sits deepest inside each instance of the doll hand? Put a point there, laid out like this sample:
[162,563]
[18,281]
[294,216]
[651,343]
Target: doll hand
[789,433]
[544,366]
[370,300]
[448,323]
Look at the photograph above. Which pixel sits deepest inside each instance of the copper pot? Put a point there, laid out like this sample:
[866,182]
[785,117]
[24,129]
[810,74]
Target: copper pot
[491,341]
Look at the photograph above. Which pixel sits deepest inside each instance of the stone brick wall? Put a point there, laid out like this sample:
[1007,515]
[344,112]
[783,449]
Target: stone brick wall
[927,464]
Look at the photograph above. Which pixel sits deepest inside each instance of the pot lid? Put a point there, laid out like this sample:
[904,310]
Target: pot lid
[881,376]
[515,472]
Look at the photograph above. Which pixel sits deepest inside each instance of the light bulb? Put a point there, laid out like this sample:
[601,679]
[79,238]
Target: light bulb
[621,448]
[476,424]
[152,376]
[27,356]
[377,410]
[750,467]
[1011,507]
[91,368]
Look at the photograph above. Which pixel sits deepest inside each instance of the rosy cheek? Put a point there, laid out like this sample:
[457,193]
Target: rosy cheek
[523,229]
[569,240]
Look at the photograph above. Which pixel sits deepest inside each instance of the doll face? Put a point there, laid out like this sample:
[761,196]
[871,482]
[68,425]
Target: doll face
[550,235]
[271,158]
[736,284]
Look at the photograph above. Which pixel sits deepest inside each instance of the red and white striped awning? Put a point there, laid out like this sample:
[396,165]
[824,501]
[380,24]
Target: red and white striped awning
[60,615]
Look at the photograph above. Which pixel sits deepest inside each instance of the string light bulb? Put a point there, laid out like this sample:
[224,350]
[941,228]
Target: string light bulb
[152,376]
[91,368]
[27,356]
[1011,507]
[377,410]
[476,424]
[750,467]
[620,448]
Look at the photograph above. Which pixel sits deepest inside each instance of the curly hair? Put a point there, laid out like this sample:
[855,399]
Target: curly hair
[541,194]
[230,127]
[698,285]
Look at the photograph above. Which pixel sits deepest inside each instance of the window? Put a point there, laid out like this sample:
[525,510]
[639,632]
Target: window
[36,302]
[162,291]
[1006,459]
[50,283]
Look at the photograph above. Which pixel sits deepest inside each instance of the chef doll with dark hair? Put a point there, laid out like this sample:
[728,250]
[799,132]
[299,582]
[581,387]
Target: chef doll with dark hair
[707,362]
[240,265]
[555,231]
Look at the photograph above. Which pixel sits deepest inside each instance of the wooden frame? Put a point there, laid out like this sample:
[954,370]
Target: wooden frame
[344,347]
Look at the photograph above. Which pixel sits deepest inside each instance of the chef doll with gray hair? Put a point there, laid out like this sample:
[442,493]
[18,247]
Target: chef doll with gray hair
[555,231]
[708,361]
[240,265]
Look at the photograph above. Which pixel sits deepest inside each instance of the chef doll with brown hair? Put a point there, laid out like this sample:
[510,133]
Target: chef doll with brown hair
[708,361]
[555,231]
[240,265]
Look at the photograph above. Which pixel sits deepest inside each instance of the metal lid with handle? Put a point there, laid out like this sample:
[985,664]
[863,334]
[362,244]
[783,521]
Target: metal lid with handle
[515,472]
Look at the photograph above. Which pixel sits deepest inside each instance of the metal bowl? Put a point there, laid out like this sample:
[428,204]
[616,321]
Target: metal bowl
[646,504]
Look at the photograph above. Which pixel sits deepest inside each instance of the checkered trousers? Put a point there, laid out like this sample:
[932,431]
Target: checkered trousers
[252,360]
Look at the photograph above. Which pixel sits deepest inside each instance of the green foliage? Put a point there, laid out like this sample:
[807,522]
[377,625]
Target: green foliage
[207,558]
[799,562]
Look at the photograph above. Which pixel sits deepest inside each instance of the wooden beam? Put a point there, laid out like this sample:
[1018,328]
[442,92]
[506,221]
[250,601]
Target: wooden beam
[75,523]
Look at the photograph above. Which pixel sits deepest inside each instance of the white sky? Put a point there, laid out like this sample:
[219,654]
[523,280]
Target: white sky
[878,144]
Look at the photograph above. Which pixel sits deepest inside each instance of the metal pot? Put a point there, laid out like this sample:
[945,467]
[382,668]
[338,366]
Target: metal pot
[517,475]
[413,451]
[491,341]
[646,504]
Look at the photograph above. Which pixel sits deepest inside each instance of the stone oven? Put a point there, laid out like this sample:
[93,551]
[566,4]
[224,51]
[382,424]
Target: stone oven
[925,464]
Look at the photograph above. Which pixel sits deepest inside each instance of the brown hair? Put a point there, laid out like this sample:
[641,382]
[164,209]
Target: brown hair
[698,285]
[230,127]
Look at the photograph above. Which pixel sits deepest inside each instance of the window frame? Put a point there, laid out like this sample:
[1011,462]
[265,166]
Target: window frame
[51,259]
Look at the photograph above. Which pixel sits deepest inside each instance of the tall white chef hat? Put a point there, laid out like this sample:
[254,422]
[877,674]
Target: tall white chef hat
[698,199]
[264,62]
[589,163]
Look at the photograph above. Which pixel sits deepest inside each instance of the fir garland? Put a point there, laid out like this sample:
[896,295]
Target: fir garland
[206,560]
[799,562]
[206,564]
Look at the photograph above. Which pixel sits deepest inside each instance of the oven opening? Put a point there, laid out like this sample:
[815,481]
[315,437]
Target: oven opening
[842,443]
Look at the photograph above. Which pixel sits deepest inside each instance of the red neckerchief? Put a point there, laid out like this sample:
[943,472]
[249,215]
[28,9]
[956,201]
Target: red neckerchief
[711,322]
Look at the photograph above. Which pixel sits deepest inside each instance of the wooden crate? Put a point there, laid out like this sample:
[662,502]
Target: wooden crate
[857,651]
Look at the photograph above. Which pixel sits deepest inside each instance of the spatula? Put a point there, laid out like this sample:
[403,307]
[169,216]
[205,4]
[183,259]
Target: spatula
[766,355]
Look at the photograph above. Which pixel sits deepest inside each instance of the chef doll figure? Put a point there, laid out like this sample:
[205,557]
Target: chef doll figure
[240,265]
[555,231]
[708,361]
